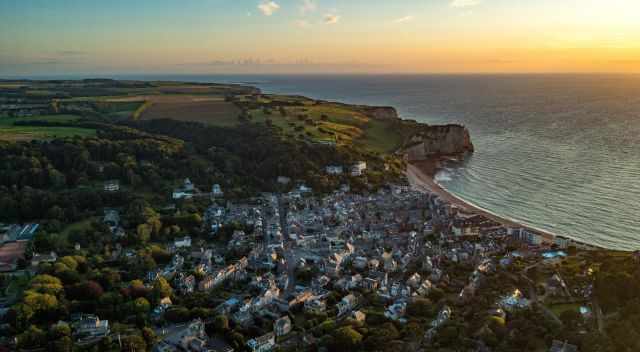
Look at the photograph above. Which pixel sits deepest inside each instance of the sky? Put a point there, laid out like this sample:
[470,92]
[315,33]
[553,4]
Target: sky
[49,37]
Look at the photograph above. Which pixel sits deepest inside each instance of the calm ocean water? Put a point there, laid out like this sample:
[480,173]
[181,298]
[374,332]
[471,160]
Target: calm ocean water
[557,152]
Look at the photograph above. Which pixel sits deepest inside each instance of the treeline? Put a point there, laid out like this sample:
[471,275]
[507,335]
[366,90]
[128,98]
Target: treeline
[154,156]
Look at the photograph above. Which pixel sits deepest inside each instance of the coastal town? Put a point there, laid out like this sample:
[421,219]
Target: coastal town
[283,224]
[300,266]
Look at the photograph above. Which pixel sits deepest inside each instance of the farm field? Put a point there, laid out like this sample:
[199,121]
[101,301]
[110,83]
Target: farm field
[210,111]
[11,132]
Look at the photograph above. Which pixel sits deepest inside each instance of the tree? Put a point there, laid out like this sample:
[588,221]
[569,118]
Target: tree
[46,284]
[143,232]
[221,323]
[141,305]
[346,338]
[32,338]
[177,314]
[570,317]
[149,336]
[161,289]
[134,343]
[421,307]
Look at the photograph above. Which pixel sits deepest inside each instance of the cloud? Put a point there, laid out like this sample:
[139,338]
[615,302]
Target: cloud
[331,18]
[308,6]
[464,3]
[403,19]
[268,8]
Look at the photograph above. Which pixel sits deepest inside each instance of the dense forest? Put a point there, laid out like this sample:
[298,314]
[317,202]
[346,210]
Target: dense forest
[153,157]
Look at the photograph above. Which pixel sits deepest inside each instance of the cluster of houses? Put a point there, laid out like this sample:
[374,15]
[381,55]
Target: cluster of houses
[395,243]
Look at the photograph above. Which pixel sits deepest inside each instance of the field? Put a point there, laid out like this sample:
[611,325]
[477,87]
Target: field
[10,132]
[328,122]
[206,109]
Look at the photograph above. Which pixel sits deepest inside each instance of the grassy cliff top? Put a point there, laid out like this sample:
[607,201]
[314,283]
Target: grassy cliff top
[375,130]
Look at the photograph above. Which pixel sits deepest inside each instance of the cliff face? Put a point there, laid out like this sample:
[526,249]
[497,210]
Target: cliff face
[439,140]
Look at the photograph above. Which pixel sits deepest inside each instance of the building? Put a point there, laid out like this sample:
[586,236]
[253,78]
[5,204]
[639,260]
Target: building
[334,170]
[216,191]
[358,316]
[370,284]
[282,326]
[315,306]
[111,186]
[346,304]
[262,343]
[191,337]
[358,168]
[43,258]
[184,242]
[89,326]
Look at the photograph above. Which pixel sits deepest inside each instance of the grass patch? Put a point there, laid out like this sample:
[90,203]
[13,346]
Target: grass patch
[10,132]
[558,309]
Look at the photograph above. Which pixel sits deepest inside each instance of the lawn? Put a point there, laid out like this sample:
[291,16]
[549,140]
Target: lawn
[558,309]
[10,132]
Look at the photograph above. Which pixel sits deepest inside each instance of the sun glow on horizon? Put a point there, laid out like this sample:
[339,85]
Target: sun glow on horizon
[309,36]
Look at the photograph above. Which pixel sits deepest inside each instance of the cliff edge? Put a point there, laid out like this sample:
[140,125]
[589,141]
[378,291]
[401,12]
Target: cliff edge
[439,140]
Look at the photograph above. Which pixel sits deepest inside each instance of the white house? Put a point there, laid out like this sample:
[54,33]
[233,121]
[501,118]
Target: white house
[182,242]
[358,168]
[216,191]
[111,186]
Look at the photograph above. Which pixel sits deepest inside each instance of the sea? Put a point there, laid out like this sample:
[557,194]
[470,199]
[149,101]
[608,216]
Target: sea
[556,152]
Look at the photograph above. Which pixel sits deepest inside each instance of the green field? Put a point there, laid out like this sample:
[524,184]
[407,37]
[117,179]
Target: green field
[10,132]
[335,123]
[558,309]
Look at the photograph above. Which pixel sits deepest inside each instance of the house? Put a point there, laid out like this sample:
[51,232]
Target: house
[346,304]
[206,284]
[227,306]
[186,284]
[370,284]
[191,337]
[216,191]
[182,242]
[334,170]
[185,192]
[358,315]
[360,263]
[282,326]
[111,186]
[262,343]
[414,281]
[315,306]
[358,168]
[396,311]
[43,258]
[89,326]
[111,218]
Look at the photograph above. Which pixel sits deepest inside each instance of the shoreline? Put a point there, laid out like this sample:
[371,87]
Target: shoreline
[420,175]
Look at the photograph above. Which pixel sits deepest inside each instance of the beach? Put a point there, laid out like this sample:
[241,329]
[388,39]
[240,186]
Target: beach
[420,175]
